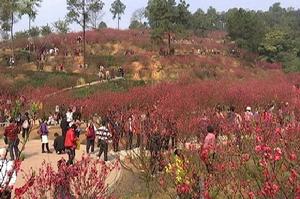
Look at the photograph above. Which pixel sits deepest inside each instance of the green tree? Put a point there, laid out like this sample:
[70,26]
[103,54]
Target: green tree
[166,17]
[61,26]
[46,30]
[4,35]
[139,15]
[137,25]
[137,19]
[245,27]
[95,13]
[30,8]
[212,17]
[273,43]
[200,24]
[11,11]
[117,9]
[102,25]
[275,15]
[81,12]
[34,31]
[21,34]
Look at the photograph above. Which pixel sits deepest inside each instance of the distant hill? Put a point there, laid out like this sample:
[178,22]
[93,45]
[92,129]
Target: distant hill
[208,57]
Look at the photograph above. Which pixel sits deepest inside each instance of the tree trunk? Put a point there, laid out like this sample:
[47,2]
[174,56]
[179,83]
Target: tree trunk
[118,21]
[29,24]
[169,42]
[84,44]
[12,34]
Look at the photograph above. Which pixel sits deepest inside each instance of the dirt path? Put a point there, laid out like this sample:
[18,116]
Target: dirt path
[34,159]
[82,86]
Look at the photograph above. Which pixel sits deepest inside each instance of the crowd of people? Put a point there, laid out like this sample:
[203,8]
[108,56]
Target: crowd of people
[133,130]
[105,74]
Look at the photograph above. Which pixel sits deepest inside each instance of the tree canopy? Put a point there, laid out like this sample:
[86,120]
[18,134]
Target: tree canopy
[117,9]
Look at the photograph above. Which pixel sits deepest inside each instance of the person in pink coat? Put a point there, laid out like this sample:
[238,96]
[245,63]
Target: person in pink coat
[208,148]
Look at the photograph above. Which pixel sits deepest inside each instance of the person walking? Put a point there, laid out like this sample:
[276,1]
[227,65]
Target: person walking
[155,149]
[129,128]
[103,137]
[69,115]
[90,137]
[207,151]
[11,137]
[70,143]
[25,126]
[44,136]
[116,135]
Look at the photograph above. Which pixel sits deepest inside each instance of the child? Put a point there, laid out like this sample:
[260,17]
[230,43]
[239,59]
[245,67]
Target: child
[58,144]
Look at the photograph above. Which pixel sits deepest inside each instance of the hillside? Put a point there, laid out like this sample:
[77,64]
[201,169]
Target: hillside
[200,58]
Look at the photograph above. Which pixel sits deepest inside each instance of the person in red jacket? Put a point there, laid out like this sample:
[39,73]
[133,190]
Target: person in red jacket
[90,137]
[11,135]
[70,143]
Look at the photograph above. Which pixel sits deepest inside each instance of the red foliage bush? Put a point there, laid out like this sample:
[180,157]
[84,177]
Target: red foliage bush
[85,179]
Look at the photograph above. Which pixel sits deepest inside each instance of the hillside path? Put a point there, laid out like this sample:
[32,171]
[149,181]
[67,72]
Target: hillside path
[82,86]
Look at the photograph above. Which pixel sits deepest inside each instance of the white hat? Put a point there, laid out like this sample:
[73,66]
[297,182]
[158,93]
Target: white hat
[248,108]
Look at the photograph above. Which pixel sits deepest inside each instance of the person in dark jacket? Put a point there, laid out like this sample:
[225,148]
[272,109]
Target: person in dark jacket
[116,134]
[59,144]
[155,148]
[11,135]
[64,125]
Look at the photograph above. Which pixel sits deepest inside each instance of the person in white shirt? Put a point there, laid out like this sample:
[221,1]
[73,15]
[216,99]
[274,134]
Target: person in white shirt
[248,114]
[69,115]
[104,136]
[8,175]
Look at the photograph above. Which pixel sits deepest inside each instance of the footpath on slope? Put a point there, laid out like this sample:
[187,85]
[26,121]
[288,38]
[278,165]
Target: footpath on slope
[83,86]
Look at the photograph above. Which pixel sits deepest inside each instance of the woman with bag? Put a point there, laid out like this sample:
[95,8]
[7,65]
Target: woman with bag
[70,143]
[44,136]
[90,137]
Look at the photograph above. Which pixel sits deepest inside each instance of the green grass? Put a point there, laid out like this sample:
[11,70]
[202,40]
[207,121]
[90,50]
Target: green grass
[39,79]
[114,86]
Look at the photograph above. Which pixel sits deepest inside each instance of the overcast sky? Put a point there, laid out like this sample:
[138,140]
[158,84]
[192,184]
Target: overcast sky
[52,10]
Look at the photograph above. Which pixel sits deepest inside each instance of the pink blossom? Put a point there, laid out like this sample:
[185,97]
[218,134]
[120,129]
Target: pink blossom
[277,154]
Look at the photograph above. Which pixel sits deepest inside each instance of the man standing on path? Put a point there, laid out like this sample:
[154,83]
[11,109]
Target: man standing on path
[70,144]
[64,126]
[130,129]
[11,135]
[103,137]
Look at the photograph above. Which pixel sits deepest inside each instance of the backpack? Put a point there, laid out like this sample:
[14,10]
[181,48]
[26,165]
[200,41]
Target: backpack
[90,132]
